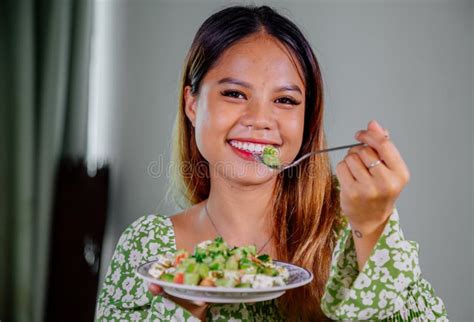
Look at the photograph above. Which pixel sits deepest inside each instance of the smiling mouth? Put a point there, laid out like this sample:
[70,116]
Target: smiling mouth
[250,147]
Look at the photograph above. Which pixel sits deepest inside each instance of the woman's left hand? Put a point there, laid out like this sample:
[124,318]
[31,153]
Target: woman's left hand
[369,190]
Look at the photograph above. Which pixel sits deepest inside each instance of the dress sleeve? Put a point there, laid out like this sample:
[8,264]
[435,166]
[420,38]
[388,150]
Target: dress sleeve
[125,296]
[389,287]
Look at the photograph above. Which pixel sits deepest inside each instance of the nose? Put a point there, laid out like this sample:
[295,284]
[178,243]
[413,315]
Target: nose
[258,115]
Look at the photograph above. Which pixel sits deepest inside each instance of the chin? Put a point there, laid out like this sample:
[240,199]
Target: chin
[245,173]
[252,180]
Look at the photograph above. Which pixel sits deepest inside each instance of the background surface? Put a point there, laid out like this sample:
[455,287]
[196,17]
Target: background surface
[408,64]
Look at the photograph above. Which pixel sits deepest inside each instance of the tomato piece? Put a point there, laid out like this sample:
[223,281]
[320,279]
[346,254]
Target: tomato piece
[179,278]
[180,258]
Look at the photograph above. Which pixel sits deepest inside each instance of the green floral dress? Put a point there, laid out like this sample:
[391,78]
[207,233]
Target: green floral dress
[389,288]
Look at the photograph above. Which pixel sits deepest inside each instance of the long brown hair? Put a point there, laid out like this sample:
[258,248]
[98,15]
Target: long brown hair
[305,199]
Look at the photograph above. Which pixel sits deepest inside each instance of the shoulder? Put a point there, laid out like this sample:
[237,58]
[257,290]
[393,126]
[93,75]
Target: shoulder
[149,234]
[148,224]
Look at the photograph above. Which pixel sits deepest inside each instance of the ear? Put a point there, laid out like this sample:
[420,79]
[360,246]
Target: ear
[190,102]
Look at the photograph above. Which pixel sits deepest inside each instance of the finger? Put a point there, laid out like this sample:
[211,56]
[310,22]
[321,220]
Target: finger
[344,175]
[375,126]
[384,148]
[198,303]
[184,302]
[357,149]
[155,289]
[358,168]
[368,156]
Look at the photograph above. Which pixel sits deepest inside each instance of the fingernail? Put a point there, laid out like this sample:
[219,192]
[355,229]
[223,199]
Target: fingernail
[358,133]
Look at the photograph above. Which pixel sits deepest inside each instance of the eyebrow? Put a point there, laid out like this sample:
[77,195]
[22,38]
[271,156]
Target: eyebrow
[230,80]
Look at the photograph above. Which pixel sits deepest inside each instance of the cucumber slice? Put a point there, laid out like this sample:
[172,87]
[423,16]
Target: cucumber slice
[167,277]
[191,278]
[270,150]
[203,270]
[191,268]
[232,263]
[270,157]
[226,282]
[271,161]
[269,271]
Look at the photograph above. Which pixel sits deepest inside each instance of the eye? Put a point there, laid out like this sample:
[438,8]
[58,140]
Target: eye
[288,101]
[232,93]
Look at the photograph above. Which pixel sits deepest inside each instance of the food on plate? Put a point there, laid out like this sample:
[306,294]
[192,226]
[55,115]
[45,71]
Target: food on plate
[215,264]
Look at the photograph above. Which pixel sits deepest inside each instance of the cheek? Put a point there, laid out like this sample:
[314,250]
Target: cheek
[292,129]
[204,132]
[213,123]
[212,126]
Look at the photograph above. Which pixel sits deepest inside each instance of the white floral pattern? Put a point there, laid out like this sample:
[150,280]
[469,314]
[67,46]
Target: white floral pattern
[389,288]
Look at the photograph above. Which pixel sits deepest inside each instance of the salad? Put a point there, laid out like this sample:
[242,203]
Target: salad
[270,157]
[215,264]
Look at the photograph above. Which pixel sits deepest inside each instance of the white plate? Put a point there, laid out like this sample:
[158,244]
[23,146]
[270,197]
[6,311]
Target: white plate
[298,276]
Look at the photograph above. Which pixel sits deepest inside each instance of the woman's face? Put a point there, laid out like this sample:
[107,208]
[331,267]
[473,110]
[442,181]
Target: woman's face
[252,97]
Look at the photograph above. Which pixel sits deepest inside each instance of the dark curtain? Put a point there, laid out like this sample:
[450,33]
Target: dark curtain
[44,64]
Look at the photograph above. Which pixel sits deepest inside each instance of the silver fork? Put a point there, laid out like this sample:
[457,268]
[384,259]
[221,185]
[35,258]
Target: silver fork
[307,155]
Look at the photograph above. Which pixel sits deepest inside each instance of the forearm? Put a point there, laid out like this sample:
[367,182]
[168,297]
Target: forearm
[365,238]
[387,285]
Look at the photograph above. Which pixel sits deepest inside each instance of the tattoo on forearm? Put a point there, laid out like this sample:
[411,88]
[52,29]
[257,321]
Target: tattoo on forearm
[358,233]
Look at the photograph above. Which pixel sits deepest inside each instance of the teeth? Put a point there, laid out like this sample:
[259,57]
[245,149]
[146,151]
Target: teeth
[247,146]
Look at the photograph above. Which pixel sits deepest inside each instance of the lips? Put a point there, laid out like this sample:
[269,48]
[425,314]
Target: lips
[246,155]
[251,146]
[248,148]
[258,141]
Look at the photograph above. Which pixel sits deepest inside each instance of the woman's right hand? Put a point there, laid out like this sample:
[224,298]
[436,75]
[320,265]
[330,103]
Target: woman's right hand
[198,309]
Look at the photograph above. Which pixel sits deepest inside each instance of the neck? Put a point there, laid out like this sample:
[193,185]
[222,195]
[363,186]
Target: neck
[242,214]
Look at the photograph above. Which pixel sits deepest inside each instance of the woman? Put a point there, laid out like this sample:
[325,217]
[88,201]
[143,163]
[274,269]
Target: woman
[251,79]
